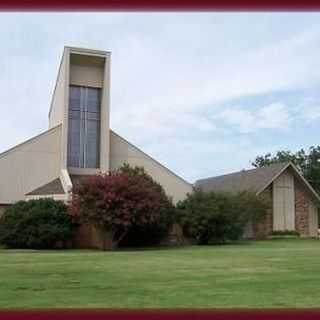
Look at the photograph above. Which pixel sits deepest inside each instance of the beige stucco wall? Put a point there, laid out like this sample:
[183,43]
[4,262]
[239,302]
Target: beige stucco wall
[89,76]
[30,165]
[57,108]
[122,151]
[283,202]
[105,118]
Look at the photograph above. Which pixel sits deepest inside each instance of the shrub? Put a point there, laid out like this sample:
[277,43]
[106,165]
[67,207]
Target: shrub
[124,200]
[285,233]
[219,217]
[35,224]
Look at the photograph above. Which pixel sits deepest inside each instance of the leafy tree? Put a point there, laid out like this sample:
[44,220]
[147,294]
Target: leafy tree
[35,224]
[140,171]
[307,162]
[120,201]
[219,217]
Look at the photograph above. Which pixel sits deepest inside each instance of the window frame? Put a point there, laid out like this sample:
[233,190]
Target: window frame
[84,118]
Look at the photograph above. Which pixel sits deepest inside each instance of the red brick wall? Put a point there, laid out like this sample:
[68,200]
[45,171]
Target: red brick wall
[88,236]
[265,226]
[301,209]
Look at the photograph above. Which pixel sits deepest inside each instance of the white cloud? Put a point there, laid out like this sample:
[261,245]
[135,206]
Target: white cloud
[169,87]
[274,116]
[310,113]
[169,71]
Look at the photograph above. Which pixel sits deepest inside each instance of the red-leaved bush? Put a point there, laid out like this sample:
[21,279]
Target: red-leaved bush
[120,200]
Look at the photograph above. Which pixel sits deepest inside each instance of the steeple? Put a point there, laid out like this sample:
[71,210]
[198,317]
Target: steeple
[80,103]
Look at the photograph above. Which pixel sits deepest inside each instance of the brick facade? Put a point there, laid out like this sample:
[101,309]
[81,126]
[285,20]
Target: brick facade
[263,227]
[88,236]
[301,209]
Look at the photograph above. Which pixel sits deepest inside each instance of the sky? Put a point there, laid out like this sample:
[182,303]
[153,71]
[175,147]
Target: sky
[203,93]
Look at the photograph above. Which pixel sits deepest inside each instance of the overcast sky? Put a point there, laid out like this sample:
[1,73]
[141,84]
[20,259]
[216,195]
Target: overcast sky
[203,93]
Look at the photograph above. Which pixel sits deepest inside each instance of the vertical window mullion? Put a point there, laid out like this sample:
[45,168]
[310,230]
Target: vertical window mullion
[81,129]
[85,127]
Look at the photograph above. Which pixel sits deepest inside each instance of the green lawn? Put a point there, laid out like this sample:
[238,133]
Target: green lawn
[274,273]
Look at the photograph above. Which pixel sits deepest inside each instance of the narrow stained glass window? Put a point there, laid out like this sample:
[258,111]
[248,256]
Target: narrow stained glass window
[84,127]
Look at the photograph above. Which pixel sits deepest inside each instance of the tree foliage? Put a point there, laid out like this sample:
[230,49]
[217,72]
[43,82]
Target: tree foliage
[219,217]
[308,162]
[121,200]
[35,224]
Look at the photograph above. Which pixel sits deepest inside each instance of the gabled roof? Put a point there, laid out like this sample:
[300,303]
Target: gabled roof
[245,180]
[53,187]
[254,180]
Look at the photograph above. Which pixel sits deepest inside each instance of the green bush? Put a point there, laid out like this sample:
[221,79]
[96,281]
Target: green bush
[35,224]
[219,217]
[285,233]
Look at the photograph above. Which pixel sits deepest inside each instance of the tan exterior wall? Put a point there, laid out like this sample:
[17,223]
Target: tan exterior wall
[283,202]
[57,108]
[88,76]
[122,152]
[105,119]
[30,165]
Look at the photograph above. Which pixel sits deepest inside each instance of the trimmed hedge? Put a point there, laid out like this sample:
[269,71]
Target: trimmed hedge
[35,224]
[285,233]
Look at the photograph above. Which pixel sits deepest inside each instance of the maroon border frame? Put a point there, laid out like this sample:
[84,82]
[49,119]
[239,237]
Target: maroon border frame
[182,314]
[160,5]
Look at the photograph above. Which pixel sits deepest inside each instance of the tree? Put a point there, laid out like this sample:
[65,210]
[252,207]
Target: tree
[119,201]
[219,217]
[35,224]
[307,162]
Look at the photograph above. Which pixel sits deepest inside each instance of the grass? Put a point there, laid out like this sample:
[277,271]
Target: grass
[262,274]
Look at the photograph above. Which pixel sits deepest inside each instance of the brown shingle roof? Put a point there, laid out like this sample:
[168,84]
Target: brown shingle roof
[246,180]
[53,187]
